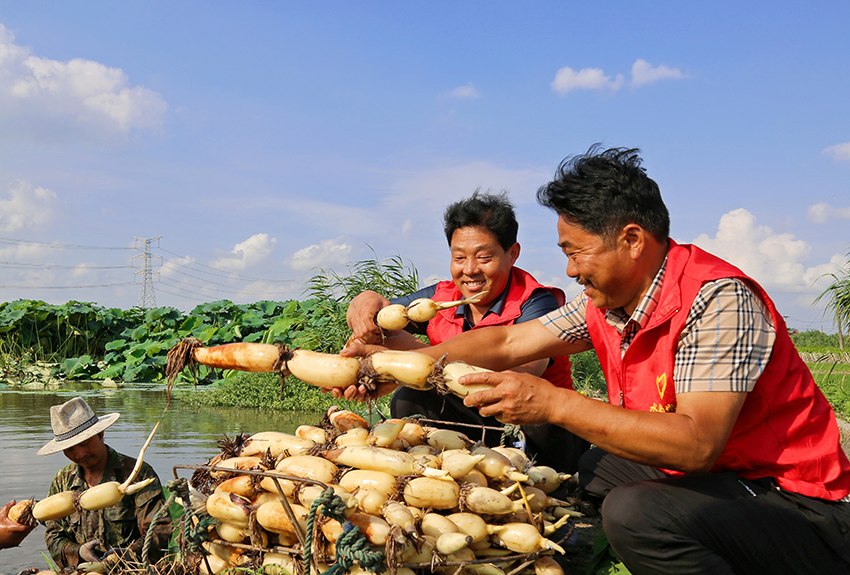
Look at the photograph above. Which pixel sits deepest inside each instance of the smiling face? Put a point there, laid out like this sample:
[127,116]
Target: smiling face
[610,274]
[479,263]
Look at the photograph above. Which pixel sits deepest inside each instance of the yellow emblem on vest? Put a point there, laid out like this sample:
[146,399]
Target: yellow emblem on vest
[661,384]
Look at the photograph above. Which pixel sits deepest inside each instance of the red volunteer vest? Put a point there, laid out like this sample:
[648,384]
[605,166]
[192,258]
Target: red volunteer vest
[786,428]
[522,285]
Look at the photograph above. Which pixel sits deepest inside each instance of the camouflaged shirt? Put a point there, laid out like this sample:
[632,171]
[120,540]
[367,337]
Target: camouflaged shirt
[122,525]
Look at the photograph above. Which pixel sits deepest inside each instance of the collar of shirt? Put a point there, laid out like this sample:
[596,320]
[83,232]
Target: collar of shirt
[627,325]
[497,307]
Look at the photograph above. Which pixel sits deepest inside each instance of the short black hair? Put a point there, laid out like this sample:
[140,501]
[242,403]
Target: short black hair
[492,211]
[605,190]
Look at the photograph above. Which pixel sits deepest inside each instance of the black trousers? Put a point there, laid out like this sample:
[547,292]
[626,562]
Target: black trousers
[545,444]
[716,523]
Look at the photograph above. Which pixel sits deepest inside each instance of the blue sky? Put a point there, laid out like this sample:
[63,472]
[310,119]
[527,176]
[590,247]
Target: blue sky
[265,140]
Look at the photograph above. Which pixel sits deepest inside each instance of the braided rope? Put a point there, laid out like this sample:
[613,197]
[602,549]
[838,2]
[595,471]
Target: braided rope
[177,487]
[351,547]
[512,431]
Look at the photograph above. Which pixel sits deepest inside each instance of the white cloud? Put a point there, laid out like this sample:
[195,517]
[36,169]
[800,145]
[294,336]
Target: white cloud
[326,254]
[815,276]
[24,206]
[172,267]
[406,228]
[468,92]
[247,254]
[25,252]
[840,152]
[774,260]
[432,279]
[80,92]
[567,79]
[643,73]
[822,212]
[84,270]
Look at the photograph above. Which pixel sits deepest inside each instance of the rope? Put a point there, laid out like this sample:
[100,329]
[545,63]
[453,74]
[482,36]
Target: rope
[512,431]
[176,487]
[351,547]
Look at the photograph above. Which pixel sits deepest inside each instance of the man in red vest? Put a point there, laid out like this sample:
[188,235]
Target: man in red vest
[716,453]
[482,235]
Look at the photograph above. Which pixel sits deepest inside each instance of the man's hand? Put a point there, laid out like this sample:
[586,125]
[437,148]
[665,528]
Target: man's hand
[361,316]
[90,552]
[517,398]
[11,532]
[359,392]
[356,348]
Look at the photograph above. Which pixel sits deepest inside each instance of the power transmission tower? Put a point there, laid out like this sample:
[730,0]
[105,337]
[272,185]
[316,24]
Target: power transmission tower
[147,299]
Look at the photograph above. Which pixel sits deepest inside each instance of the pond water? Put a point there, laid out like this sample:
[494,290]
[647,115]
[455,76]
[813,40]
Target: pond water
[187,435]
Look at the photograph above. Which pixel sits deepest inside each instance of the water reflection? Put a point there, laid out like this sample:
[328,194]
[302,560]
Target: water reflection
[187,435]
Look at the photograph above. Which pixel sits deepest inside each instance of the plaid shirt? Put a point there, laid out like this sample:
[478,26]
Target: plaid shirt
[724,346]
[123,525]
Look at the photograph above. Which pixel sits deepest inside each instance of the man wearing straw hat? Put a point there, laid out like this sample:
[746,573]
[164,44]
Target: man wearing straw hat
[85,536]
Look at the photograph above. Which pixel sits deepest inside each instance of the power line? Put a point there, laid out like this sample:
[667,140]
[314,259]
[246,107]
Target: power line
[229,288]
[226,289]
[181,295]
[24,265]
[69,287]
[222,273]
[59,246]
[147,296]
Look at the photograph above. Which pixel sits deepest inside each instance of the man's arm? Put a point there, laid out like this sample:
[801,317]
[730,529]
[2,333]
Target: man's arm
[539,304]
[496,348]
[505,347]
[688,440]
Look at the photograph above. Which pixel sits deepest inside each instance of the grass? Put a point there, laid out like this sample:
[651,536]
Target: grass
[262,391]
[587,375]
[834,381]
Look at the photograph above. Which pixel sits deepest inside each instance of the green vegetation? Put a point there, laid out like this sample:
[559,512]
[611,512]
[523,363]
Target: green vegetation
[834,381]
[838,299]
[263,391]
[604,560]
[587,375]
[815,339]
[91,342]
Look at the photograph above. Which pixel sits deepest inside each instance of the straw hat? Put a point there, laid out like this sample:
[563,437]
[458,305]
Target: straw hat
[73,422]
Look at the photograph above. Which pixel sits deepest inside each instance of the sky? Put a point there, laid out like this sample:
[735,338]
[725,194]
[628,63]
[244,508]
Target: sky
[257,143]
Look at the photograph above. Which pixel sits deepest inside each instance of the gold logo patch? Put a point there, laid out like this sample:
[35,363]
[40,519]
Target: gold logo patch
[661,384]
